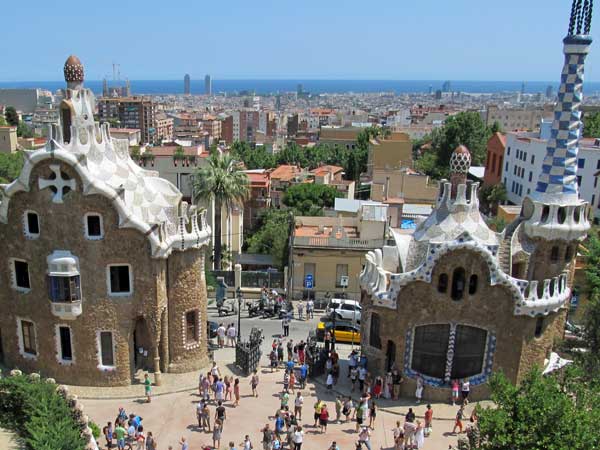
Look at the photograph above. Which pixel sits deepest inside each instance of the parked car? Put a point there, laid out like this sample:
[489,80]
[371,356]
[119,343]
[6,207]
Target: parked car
[344,309]
[211,329]
[345,331]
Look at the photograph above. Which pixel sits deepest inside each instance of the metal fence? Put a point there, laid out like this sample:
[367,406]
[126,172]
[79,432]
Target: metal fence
[253,278]
[247,354]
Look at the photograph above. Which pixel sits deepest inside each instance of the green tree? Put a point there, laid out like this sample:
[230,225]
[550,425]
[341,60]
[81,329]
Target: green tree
[11,116]
[492,196]
[10,166]
[223,182]
[272,236]
[253,158]
[309,199]
[590,360]
[24,131]
[465,128]
[543,413]
[591,125]
[2,121]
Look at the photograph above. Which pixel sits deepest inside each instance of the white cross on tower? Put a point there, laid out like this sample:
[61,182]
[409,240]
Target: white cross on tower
[59,183]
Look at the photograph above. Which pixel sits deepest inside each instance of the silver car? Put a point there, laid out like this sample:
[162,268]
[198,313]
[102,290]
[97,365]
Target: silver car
[344,309]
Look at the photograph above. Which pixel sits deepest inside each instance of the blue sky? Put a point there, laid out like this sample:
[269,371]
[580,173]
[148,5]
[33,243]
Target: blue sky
[322,39]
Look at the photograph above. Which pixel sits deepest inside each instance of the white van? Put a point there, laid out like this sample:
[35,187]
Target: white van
[344,309]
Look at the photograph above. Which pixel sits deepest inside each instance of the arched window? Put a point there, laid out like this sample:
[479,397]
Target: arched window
[458,283]
[472,284]
[374,331]
[429,350]
[539,327]
[545,213]
[442,283]
[65,113]
[568,253]
[469,351]
[554,254]
[562,215]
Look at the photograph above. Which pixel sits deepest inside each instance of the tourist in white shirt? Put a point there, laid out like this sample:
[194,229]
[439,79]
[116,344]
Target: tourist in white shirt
[298,438]
[231,335]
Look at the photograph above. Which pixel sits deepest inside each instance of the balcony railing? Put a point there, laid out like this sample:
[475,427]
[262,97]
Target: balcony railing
[66,310]
[318,241]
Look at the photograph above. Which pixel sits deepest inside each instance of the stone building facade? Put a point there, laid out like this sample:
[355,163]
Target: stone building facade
[103,264]
[456,300]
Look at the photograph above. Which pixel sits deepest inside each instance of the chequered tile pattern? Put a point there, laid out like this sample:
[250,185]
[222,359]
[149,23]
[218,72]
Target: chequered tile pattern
[559,168]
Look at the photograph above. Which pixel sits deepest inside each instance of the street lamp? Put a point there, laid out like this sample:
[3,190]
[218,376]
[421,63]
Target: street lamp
[239,299]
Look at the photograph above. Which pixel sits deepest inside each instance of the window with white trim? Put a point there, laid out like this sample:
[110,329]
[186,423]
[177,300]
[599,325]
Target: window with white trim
[106,348]
[20,275]
[94,229]
[119,279]
[65,346]
[31,222]
[63,277]
[28,339]
[192,326]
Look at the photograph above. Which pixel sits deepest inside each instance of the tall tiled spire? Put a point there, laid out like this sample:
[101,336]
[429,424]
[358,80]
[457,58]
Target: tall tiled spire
[554,210]
[559,169]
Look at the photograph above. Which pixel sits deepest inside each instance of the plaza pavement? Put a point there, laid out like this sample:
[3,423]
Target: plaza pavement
[171,414]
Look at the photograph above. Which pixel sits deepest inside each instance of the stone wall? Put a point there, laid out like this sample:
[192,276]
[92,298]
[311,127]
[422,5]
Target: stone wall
[62,228]
[186,292]
[491,308]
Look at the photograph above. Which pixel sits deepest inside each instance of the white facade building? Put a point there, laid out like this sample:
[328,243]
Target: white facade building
[523,160]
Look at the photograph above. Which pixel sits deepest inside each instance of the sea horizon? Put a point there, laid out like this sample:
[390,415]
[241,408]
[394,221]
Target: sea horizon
[315,86]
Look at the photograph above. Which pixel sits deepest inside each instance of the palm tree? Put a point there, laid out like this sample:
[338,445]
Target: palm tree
[224,183]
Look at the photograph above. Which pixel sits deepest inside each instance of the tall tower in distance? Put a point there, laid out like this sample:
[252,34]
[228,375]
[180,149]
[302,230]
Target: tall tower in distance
[186,84]
[555,219]
[207,85]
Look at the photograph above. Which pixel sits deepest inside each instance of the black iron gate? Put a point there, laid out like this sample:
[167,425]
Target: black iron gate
[316,356]
[247,354]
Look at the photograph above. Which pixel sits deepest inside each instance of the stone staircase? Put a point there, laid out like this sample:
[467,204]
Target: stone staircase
[504,249]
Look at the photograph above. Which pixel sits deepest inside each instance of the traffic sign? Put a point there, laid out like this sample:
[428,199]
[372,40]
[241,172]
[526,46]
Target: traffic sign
[344,281]
[308,281]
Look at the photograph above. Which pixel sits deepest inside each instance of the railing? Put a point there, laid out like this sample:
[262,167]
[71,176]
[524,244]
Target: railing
[253,278]
[316,241]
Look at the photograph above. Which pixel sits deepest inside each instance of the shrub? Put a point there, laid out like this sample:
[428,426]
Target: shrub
[35,411]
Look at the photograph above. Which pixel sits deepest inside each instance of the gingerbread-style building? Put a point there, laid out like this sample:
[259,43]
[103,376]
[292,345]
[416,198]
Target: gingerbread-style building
[456,300]
[102,268]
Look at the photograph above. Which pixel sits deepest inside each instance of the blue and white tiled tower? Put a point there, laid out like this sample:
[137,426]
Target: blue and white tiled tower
[554,210]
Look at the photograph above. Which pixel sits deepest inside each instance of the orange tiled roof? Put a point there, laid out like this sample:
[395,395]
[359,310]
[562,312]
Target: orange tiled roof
[323,170]
[258,179]
[285,172]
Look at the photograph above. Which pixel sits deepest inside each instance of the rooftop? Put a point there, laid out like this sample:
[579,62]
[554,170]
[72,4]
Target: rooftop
[325,231]
[285,172]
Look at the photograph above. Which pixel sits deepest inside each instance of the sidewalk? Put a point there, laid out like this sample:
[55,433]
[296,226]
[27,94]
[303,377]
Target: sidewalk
[443,411]
[188,382]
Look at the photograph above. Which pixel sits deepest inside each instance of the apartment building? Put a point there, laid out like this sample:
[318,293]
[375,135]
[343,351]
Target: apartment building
[132,112]
[389,169]
[496,146]
[523,163]
[326,251]
[511,119]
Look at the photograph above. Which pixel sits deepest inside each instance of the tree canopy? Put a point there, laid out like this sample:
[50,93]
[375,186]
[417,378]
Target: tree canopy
[354,161]
[11,116]
[271,236]
[309,199]
[465,128]
[10,166]
[554,412]
[591,125]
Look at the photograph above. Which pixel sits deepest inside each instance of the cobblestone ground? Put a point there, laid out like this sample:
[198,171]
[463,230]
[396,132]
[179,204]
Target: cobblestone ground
[171,414]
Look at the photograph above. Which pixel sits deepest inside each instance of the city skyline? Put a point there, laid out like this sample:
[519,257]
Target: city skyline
[431,40]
